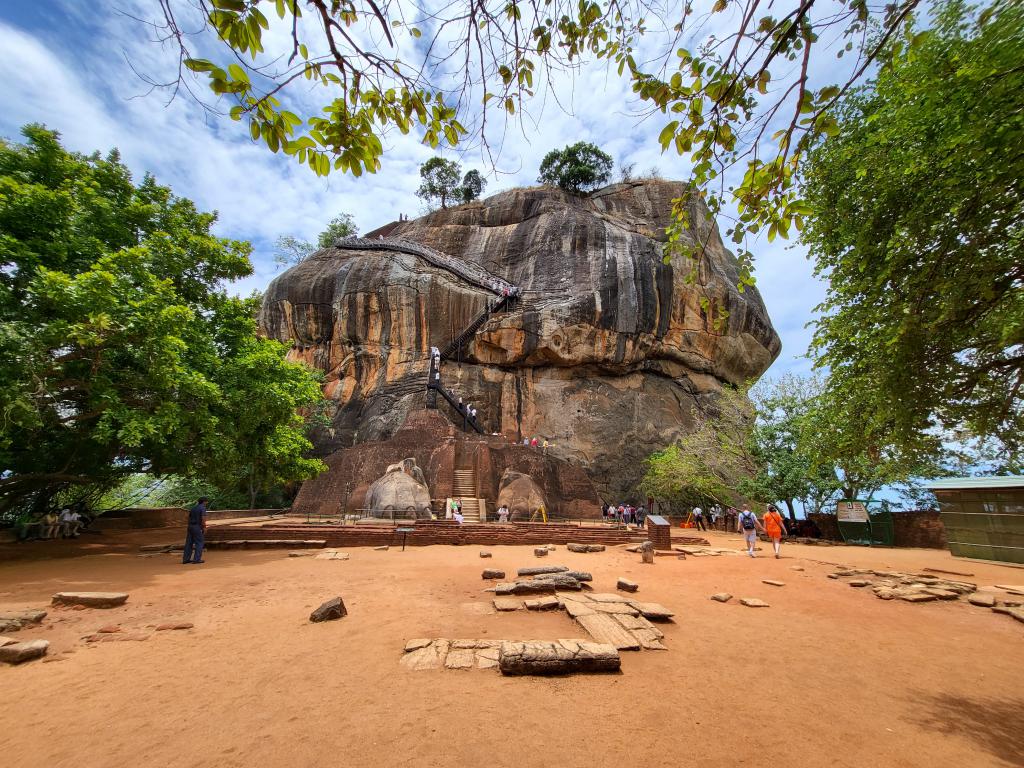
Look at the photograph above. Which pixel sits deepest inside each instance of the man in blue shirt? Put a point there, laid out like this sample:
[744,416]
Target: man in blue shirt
[196,535]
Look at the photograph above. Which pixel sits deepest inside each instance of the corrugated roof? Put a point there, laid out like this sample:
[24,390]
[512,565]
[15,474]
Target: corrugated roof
[975,483]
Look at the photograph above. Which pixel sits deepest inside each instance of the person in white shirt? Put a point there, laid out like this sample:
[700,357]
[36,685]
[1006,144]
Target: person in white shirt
[502,514]
[69,523]
[458,516]
[748,524]
[698,519]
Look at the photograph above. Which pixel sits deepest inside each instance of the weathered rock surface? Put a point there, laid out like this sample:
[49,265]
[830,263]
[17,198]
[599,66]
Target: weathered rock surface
[520,494]
[560,657]
[982,600]
[330,610]
[492,573]
[402,488]
[542,603]
[540,552]
[91,599]
[603,320]
[16,653]
[549,583]
[507,604]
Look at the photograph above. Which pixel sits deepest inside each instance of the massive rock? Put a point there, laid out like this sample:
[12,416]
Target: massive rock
[402,488]
[608,355]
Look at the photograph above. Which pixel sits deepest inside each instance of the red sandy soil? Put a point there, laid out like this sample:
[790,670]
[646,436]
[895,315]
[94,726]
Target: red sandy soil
[827,676]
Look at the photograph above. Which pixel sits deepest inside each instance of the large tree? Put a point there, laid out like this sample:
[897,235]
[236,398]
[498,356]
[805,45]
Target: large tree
[579,167]
[918,227]
[721,75]
[120,350]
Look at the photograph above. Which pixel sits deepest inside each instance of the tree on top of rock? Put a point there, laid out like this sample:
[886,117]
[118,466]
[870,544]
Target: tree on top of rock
[581,167]
[290,250]
[441,182]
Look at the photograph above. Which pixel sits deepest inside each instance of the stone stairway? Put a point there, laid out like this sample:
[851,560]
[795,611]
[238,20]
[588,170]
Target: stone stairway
[464,489]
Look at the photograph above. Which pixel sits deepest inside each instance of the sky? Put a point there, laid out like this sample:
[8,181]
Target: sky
[75,67]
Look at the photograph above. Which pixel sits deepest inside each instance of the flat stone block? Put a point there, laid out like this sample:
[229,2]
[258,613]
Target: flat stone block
[541,570]
[556,658]
[540,552]
[773,583]
[16,653]
[492,573]
[653,611]
[626,585]
[722,597]
[605,629]
[542,604]
[507,604]
[91,599]
[753,602]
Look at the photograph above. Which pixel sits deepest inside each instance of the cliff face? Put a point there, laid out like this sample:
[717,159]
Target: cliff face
[606,355]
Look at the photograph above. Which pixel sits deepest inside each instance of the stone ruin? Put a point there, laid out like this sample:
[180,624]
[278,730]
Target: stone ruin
[402,489]
[520,494]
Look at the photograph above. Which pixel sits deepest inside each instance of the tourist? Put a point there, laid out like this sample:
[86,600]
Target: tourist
[533,442]
[775,528]
[716,513]
[545,447]
[526,442]
[748,524]
[503,514]
[195,536]
[641,514]
[69,523]
[51,525]
[458,515]
[698,519]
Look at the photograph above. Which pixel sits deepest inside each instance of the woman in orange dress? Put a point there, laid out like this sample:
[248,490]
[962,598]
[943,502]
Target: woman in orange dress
[774,527]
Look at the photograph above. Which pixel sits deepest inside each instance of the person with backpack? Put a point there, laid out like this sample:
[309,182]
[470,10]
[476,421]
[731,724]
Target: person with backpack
[774,527]
[748,524]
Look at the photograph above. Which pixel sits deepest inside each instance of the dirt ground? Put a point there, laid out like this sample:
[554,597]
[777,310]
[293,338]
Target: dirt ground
[827,676]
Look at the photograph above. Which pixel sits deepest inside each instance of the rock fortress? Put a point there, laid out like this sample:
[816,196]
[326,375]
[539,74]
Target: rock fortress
[449,339]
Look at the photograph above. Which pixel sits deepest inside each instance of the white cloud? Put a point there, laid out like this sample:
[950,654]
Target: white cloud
[71,73]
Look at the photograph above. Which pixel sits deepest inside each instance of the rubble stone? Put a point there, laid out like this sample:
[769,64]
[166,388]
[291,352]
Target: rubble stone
[753,602]
[330,610]
[16,653]
[722,597]
[626,585]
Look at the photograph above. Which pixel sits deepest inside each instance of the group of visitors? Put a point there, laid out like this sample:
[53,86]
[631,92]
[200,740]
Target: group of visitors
[455,511]
[65,524]
[773,527]
[537,442]
[625,514]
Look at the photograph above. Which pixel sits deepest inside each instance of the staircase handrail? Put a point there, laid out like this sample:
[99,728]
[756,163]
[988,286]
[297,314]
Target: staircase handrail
[468,271]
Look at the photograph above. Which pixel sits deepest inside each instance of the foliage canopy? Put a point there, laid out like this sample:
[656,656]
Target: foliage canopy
[918,227]
[580,167]
[721,74]
[120,352]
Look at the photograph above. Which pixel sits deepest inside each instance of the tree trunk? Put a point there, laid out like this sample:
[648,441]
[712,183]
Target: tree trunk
[252,488]
[792,509]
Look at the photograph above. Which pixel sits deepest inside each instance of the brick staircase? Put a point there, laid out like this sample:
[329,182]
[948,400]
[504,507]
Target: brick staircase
[464,489]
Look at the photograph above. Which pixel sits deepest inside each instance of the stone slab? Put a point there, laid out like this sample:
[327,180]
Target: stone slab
[556,657]
[983,600]
[607,597]
[542,569]
[16,653]
[626,585]
[91,599]
[649,641]
[615,609]
[773,582]
[575,608]
[492,573]
[507,604]
[542,604]
[605,629]
[652,611]
[722,597]
[430,657]
[417,643]
[460,658]
[753,602]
